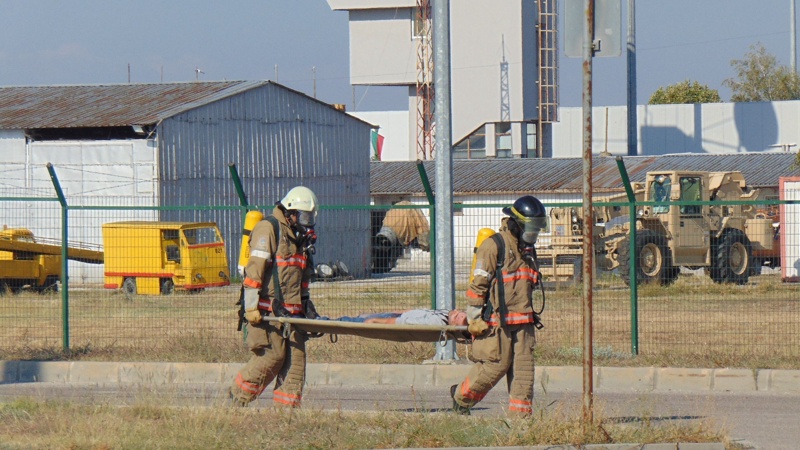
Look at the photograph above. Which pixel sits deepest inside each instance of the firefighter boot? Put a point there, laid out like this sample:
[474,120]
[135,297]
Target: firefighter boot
[457,408]
[235,402]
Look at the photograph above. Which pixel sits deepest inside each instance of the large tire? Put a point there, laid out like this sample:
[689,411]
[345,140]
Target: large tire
[129,287]
[732,258]
[167,286]
[653,260]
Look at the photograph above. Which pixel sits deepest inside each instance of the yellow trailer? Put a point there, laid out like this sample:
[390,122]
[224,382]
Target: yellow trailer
[35,263]
[153,258]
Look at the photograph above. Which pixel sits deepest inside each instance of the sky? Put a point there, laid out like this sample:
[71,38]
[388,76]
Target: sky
[303,44]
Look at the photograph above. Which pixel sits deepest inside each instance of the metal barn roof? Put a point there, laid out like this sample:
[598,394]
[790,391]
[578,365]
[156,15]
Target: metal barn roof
[29,107]
[565,175]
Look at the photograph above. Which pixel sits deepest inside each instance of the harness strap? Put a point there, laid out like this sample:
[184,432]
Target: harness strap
[498,278]
[275,281]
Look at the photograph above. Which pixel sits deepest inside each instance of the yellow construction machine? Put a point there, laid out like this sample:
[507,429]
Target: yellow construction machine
[27,262]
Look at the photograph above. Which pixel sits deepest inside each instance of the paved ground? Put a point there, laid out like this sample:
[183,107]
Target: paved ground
[759,409]
[754,421]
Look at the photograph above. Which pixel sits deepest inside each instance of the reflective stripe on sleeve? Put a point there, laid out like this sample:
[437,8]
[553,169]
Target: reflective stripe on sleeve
[251,283]
[480,273]
[261,254]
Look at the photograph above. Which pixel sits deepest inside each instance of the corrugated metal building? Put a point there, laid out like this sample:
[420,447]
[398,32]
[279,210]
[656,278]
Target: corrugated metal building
[172,144]
[501,181]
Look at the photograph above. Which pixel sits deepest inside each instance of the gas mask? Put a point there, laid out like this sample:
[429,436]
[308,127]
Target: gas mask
[304,230]
[526,232]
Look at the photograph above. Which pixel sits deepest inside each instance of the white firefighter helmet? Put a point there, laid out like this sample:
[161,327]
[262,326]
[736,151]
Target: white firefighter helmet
[303,200]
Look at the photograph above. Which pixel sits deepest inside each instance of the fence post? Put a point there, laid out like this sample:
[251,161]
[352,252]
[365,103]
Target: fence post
[64,260]
[634,282]
[237,183]
[432,236]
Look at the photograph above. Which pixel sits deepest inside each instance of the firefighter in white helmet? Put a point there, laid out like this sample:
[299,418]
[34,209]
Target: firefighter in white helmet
[500,310]
[281,248]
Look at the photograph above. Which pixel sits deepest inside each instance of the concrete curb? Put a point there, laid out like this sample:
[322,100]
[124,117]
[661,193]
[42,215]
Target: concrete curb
[562,378]
[670,446]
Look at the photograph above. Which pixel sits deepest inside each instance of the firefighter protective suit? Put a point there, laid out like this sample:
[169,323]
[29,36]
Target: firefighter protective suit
[274,356]
[506,348]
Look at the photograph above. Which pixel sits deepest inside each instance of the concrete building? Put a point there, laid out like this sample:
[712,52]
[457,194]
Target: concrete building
[504,83]
[503,63]
[148,146]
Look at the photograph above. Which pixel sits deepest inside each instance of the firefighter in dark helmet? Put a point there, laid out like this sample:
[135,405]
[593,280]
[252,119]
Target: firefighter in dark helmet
[500,310]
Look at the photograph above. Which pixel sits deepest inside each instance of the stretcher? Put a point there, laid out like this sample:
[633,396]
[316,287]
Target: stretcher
[386,332]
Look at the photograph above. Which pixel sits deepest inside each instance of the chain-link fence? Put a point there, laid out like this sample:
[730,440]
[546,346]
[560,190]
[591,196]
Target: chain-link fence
[178,299]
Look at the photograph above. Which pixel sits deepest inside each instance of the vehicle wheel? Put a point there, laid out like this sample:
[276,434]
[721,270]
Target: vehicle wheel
[732,258]
[381,262]
[653,260]
[167,286]
[50,285]
[129,287]
[756,266]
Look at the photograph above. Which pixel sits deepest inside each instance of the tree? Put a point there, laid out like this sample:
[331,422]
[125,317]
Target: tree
[685,92]
[759,78]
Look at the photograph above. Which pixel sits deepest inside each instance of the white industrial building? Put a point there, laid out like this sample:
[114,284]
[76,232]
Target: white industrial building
[163,152]
[504,83]
[504,72]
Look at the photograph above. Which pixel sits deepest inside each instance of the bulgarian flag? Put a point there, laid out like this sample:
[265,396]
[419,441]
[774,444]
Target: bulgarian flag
[377,145]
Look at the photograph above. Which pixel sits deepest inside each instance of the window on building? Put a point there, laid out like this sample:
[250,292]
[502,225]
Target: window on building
[471,147]
[502,135]
[530,136]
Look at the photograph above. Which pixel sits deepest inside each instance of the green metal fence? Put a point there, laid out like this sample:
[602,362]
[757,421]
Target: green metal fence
[693,319]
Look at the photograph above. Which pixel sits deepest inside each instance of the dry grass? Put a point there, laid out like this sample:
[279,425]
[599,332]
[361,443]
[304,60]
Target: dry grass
[693,323]
[31,424]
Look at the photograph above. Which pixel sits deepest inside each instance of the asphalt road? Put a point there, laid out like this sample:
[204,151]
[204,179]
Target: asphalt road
[754,420]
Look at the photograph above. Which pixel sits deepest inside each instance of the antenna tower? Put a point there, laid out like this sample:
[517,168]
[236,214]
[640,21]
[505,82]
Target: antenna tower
[425,89]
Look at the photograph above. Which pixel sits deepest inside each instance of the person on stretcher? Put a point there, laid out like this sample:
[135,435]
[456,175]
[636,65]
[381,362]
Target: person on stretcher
[412,317]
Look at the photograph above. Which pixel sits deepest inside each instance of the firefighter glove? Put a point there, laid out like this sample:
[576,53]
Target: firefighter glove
[251,312]
[309,309]
[477,327]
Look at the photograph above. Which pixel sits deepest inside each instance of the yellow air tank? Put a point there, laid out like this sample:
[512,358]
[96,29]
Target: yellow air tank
[250,221]
[483,234]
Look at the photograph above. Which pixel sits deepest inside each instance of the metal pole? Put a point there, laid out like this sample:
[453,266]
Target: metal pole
[633,138]
[793,34]
[588,216]
[64,264]
[445,285]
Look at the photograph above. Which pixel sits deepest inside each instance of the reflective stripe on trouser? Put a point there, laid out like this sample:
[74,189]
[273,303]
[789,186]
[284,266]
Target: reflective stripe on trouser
[507,351]
[273,358]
